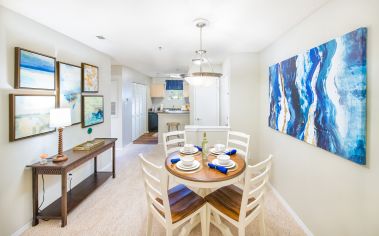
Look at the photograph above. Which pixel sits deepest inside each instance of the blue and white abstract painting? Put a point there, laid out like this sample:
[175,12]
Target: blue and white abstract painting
[36,71]
[70,90]
[320,96]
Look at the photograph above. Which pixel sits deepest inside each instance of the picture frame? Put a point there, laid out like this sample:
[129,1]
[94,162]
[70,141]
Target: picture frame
[92,110]
[319,96]
[69,89]
[34,70]
[90,78]
[29,115]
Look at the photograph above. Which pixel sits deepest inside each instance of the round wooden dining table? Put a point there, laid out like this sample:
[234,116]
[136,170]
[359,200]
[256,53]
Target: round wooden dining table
[206,179]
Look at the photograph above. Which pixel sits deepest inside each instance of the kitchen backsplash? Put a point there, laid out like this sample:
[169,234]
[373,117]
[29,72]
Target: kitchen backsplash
[168,103]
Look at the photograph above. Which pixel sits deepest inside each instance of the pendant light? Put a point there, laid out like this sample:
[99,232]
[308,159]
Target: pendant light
[204,75]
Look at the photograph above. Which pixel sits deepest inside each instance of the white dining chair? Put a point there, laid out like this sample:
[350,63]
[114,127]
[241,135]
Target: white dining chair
[171,207]
[240,207]
[173,141]
[239,141]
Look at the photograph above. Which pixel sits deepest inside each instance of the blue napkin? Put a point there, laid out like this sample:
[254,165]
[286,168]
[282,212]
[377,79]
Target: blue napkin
[219,168]
[198,147]
[175,160]
[231,152]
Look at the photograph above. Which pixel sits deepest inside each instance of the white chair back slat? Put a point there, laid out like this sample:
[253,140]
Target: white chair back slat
[148,164]
[254,188]
[237,142]
[259,178]
[254,214]
[150,176]
[255,203]
[175,133]
[175,141]
[240,142]
[172,140]
[257,191]
[153,193]
[158,205]
[239,134]
[261,165]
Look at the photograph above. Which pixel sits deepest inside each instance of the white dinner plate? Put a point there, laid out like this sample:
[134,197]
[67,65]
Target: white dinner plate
[232,164]
[196,164]
[194,150]
[214,152]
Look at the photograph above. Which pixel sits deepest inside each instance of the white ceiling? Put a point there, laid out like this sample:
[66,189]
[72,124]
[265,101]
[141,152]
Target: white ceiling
[134,29]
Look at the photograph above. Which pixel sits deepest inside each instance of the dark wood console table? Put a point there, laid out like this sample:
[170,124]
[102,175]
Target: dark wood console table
[69,200]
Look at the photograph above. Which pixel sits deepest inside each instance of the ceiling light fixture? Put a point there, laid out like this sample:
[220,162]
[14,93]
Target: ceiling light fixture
[100,37]
[202,77]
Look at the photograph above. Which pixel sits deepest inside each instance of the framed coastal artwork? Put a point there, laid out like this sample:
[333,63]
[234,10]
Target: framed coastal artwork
[29,115]
[69,89]
[90,78]
[92,110]
[34,70]
[319,96]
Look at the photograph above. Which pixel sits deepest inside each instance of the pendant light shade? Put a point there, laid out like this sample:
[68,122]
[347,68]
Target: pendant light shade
[204,74]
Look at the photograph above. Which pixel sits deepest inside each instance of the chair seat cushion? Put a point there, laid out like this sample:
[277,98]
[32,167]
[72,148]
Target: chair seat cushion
[183,202]
[228,201]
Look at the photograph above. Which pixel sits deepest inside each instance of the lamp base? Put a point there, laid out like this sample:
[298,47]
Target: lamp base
[60,158]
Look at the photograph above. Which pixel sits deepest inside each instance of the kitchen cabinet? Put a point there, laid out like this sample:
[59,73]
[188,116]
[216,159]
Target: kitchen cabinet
[153,122]
[157,90]
[185,90]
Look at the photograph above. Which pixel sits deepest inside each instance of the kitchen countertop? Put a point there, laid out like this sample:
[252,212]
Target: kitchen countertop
[171,112]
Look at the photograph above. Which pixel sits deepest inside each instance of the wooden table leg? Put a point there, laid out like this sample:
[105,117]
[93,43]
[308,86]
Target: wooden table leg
[64,199]
[114,160]
[95,165]
[35,196]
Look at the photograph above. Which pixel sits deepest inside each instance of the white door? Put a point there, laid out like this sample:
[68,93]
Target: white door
[206,106]
[139,110]
[134,113]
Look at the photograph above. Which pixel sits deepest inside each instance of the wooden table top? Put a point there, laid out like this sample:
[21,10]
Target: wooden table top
[204,173]
[75,157]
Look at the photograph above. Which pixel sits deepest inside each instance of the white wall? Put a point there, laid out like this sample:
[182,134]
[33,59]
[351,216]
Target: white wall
[225,93]
[117,96]
[244,96]
[126,77]
[331,195]
[15,181]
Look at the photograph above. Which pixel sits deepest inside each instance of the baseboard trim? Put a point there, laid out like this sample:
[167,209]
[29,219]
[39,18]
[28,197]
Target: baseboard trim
[21,230]
[290,210]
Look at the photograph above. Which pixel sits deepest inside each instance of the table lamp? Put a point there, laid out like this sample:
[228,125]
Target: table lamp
[60,118]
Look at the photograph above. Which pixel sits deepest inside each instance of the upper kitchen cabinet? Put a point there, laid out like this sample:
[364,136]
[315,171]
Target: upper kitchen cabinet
[157,90]
[185,90]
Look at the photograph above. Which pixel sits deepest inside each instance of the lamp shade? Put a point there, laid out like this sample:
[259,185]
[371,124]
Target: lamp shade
[60,117]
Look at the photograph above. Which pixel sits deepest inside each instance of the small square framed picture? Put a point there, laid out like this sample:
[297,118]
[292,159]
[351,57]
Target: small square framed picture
[90,78]
[92,110]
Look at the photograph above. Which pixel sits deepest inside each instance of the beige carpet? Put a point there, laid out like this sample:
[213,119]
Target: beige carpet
[119,206]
